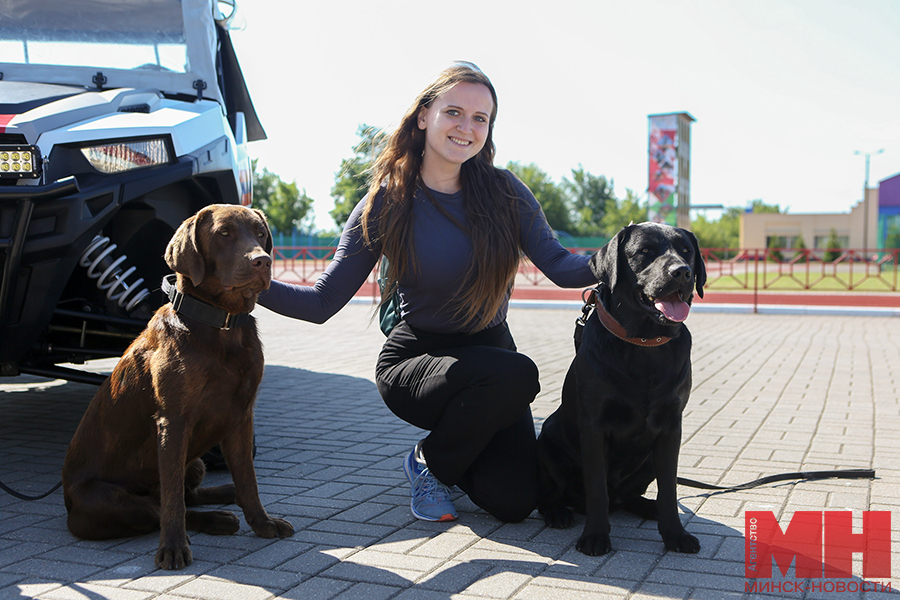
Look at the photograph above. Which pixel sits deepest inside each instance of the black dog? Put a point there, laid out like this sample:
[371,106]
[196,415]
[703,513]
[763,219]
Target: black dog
[619,425]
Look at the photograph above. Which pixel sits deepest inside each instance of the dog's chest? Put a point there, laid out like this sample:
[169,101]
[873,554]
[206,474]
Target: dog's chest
[219,366]
[237,375]
[633,393]
[632,416]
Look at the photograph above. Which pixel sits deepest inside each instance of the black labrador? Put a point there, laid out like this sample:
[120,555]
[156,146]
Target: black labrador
[619,425]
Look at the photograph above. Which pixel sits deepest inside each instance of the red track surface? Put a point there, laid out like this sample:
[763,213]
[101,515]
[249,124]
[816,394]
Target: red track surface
[547,292]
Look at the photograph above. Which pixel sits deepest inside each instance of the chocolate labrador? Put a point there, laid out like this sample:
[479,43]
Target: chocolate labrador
[619,425]
[187,383]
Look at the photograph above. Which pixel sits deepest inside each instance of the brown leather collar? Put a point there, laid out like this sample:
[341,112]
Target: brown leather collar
[615,328]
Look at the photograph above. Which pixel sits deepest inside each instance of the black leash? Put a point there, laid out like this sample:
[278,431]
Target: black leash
[801,475]
[13,492]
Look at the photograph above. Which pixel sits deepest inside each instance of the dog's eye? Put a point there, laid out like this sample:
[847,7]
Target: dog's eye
[260,235]
[645,250]
[224,232]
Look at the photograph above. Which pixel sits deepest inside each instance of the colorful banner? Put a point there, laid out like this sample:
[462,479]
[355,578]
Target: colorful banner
[663,200]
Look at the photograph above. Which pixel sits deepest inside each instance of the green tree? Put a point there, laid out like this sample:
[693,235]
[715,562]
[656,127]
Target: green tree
[725,232]
[263,183]
[833,246]
[352,180]
[774,245]
[708,232]
[619,213]
[285,207]
[549,195]
[590,196]
[758,206]
[892,238]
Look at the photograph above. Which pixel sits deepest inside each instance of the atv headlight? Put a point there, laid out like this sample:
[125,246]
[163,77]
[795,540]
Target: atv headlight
[117,157]
[20,161]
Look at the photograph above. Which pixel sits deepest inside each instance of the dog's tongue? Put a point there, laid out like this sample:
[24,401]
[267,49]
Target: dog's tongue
[673,307]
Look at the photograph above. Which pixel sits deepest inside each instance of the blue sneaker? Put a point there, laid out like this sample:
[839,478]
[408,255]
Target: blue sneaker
[429,498]
[412,467]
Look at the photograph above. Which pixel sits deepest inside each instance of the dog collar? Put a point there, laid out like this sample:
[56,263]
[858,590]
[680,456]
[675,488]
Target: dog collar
[613,326]
[200,310]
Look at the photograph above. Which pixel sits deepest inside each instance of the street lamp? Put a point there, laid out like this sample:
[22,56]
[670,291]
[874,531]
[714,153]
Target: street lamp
[868,155]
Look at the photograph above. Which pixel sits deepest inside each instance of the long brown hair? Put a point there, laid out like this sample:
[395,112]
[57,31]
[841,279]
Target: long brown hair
[492,221]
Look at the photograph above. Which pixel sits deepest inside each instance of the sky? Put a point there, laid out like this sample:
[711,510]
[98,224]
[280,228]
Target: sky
[784,92]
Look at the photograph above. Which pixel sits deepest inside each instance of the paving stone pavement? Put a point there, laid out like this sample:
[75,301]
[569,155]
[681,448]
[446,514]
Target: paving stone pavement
[771,394]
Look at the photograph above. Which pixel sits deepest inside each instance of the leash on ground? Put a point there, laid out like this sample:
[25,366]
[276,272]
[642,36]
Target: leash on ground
[800,475]
[13,492]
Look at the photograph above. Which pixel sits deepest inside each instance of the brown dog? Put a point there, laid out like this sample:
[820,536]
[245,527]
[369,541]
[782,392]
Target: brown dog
[183,386]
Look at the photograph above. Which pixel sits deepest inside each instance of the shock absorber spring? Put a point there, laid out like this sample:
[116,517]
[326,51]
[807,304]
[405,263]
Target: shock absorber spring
[101,265]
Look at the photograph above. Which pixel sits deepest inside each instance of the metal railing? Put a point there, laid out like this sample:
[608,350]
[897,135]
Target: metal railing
[303,264]
[785,270]
[756,271]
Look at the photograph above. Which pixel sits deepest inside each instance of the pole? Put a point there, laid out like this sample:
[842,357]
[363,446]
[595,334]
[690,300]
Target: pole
[868,155]
[756,279]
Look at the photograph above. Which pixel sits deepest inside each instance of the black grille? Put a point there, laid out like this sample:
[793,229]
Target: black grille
[137,108]
[12,138]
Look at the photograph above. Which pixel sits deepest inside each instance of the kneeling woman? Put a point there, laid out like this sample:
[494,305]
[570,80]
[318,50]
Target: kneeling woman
[452,227]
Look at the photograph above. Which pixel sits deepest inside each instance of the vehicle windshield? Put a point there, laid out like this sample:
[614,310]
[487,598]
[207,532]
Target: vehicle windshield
[117,34]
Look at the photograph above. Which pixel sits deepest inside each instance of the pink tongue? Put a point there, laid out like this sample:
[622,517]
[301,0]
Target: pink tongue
[673,308]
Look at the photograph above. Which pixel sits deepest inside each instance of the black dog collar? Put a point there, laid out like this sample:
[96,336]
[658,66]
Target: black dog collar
[200,310]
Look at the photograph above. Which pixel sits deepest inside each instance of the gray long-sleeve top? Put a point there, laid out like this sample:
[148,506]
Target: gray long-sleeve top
[443,252]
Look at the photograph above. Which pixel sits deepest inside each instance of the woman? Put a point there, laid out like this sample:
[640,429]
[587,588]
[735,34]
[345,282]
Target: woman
[452,227]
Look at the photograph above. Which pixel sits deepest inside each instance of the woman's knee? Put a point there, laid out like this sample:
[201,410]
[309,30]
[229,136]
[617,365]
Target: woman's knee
[513,508]
[511,370]
[521,376]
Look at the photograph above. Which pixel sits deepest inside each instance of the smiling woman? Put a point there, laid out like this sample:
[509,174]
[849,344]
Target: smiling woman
[456,127]
[452,227]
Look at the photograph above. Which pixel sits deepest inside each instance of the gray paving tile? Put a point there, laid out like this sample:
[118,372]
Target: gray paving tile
[772,393]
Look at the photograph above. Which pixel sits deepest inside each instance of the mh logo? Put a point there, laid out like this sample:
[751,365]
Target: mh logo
[821,543]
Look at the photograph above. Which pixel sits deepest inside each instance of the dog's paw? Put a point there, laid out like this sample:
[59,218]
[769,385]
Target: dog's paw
[285,529]
[272,527]
[221,522]
[174,556]
[645,508]
[683,542]
[222,494]
[558,517]
[594,544]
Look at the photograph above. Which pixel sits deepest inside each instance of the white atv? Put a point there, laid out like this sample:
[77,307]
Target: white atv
[118,120]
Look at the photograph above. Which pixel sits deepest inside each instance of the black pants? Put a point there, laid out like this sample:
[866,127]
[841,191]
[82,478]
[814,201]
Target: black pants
[472,393]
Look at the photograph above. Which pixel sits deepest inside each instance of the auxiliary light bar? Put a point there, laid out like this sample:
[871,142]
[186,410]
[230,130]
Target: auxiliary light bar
[20,161]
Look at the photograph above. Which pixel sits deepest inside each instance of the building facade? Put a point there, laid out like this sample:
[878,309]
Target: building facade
[873,223]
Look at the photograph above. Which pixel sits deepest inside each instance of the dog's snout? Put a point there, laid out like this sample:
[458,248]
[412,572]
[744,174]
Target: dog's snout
[261,260]
[680,272]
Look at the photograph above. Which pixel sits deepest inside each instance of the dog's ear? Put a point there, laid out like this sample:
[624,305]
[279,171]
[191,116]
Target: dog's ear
[183,253]
[268,244]
[605,263]
[699,265]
